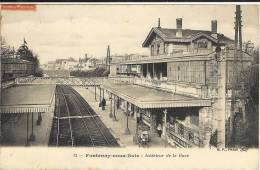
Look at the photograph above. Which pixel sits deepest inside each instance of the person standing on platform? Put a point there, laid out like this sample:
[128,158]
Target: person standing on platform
[159,129]
[138,117]
[103,103]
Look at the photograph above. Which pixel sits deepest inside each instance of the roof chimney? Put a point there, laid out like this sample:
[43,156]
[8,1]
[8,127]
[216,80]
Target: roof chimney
[179,27]
[159,23]
[179,23]
[214,28]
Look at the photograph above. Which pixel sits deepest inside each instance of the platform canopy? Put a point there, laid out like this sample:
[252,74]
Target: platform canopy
[145,97]
[27,99]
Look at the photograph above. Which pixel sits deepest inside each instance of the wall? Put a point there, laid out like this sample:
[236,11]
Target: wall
[17,69]
[187,71]
[205,125]
[113,70]
[177,47]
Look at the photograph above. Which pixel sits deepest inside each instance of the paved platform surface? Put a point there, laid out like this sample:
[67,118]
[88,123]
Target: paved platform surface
[117,127]
[28,95]
[14,131]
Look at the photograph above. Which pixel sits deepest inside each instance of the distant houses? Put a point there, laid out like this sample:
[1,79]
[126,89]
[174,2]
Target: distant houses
[83,64]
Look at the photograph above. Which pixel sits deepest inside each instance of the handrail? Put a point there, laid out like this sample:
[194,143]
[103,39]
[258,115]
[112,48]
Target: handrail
[184,133]
[173,54]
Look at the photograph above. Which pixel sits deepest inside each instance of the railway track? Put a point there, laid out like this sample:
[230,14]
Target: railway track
[75,123]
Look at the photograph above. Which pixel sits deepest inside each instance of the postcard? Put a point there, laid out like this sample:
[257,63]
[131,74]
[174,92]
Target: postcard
[129,86]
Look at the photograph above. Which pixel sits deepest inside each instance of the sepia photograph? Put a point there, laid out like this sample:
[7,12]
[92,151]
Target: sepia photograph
[122,76]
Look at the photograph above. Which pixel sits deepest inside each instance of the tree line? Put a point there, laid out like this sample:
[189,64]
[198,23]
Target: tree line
[22,53]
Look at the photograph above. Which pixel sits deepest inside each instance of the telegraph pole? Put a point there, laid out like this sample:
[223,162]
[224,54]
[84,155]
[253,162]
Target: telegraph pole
[0,81]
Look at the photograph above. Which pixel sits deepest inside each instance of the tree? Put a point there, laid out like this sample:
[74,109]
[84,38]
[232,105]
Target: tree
[25,53]
[5,50]
[251,95]
[252,105]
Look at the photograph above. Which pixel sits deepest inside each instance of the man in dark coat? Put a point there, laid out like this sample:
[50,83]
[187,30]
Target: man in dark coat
[103,103]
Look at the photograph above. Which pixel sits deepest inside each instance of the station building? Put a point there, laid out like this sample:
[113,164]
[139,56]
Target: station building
[178,84]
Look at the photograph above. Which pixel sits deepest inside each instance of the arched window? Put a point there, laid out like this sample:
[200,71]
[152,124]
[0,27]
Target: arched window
[158,48]
[152,50]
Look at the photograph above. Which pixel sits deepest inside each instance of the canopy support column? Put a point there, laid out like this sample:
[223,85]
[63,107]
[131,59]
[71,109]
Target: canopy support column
[147,70]
[110,113]
[27,130]
[100,94]
[115,108]
[32,136]
[39,120]
[127,130]
[95,93]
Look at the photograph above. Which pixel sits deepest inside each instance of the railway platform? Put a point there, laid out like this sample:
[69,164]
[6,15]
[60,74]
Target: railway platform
[117,128]
[14,133]
[27,113]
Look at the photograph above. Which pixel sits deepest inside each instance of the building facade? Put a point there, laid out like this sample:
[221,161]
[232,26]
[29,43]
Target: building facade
[191,72]
[13,67]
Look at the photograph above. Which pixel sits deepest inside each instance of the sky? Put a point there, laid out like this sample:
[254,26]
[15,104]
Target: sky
[62,31]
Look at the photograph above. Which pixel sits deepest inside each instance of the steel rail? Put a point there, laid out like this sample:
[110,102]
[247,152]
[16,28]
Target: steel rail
[95,121]
[71,136]
[74,117]
[85,125]
[58,121]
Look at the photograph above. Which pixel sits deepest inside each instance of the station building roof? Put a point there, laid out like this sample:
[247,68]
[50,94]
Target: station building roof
[145,97]
[27,99]
[169,35]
